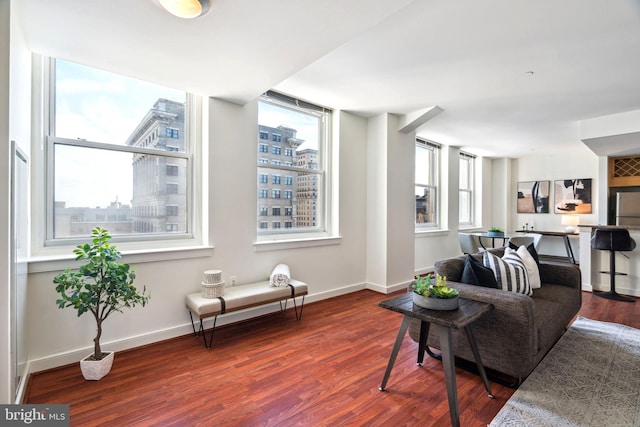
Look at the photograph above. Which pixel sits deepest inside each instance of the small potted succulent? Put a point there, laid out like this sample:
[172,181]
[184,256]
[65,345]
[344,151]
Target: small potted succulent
[434,296]
[495,232]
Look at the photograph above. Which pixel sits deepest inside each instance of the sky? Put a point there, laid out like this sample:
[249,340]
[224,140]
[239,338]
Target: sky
[104,107]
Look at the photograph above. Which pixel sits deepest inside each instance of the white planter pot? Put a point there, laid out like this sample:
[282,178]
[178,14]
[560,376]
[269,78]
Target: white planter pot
[435,303]
[96,369]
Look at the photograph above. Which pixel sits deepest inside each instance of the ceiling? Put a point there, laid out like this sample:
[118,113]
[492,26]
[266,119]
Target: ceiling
[513,77]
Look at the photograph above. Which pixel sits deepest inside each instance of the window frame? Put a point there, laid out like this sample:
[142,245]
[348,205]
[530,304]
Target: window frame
[433,184]
[43,241]
[325,225]
[469,189]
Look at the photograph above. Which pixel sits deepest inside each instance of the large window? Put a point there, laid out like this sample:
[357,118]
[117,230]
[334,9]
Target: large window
[467,184]
[118,156]
[426,186]
[301,131]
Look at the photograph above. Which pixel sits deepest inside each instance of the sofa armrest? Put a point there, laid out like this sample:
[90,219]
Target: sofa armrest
[558,274]
[512,313]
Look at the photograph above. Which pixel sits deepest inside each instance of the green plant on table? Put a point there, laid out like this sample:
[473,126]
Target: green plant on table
[496,229]
[439,289]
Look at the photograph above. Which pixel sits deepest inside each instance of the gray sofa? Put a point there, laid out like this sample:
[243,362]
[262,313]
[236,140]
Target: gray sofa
[520,330]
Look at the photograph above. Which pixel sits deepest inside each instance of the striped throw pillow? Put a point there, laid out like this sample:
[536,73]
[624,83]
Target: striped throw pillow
[510,271]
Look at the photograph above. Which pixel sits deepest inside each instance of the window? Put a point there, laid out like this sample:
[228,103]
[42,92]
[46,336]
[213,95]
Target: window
[467,163]
[263,193]
[101,125]
[275,211]
[172,170]
[426,186]
[302,130]
[264,148]
[264,178]
[264,211]
[264,135]
[172,210]
[172,188]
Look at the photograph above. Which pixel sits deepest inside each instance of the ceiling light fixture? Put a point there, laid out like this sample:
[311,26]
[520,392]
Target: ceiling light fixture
[186,9]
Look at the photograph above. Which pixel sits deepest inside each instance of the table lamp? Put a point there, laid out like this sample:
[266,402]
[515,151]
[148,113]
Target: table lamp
[570,221]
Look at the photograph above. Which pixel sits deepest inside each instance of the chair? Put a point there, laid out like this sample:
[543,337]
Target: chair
[537,237]
[469,244]
[521,240]
[612,240]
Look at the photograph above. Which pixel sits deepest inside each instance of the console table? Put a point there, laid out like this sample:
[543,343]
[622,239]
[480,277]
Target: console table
[565,237]
[462,318]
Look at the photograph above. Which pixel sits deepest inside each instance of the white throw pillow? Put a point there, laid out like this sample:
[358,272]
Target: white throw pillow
[532,266]
[510,272]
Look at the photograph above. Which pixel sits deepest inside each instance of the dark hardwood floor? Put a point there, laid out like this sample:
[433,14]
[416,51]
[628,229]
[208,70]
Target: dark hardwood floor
[273,371]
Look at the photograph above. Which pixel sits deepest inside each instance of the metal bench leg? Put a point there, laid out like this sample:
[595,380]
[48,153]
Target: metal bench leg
[213,328]
[195,334]
[283,310]
[298,315]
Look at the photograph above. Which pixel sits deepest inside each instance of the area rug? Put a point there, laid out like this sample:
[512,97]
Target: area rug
[591,377]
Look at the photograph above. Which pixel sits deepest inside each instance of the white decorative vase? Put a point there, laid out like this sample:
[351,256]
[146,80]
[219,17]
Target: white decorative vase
[435,303]
[96,369]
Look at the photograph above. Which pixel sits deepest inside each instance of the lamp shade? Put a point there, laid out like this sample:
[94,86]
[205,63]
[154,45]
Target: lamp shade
[570,221]
[187,9]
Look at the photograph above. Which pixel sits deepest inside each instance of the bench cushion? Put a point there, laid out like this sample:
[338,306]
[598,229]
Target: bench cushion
[244,296]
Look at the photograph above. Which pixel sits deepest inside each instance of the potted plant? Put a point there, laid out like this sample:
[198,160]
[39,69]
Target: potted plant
[102,286]
[435,296]
[495,232]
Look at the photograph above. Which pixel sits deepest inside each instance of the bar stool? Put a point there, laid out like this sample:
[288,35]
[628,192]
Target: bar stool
[612,240]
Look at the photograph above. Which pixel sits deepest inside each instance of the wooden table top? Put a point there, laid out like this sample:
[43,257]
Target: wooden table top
[468,311]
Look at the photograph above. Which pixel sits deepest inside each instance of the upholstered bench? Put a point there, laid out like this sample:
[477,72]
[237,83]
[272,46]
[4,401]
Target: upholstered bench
[240,297]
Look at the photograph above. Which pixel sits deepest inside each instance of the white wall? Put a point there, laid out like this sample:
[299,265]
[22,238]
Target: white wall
[580,163]
[5,344]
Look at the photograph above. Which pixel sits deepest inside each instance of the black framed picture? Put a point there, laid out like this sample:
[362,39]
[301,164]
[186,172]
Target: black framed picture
[572,196]
[533,196]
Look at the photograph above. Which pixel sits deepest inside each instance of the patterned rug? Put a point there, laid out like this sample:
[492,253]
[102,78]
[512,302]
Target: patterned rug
[591,377]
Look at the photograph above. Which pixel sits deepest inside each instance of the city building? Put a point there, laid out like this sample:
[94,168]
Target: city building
[159,187]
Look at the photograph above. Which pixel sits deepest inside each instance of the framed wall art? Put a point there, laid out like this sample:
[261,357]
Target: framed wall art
[572,196]
[533,196]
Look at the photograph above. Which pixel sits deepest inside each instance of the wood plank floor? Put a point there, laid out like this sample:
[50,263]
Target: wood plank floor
[322,371]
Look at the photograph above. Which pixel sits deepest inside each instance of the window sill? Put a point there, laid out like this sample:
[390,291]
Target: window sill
[276,245]
[431,232]
[59,262]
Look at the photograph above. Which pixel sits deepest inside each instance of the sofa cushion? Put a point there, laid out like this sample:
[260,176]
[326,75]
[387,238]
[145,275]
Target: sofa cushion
[531,249]
[510,272]
[533,272]
[474,273]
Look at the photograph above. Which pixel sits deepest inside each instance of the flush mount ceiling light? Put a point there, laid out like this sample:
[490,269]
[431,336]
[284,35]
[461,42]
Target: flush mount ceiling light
[186,8]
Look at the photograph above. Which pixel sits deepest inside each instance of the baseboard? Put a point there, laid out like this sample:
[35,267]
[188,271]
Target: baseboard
[388,289]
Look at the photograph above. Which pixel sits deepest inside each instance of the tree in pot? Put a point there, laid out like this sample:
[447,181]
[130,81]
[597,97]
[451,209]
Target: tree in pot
[101,287]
